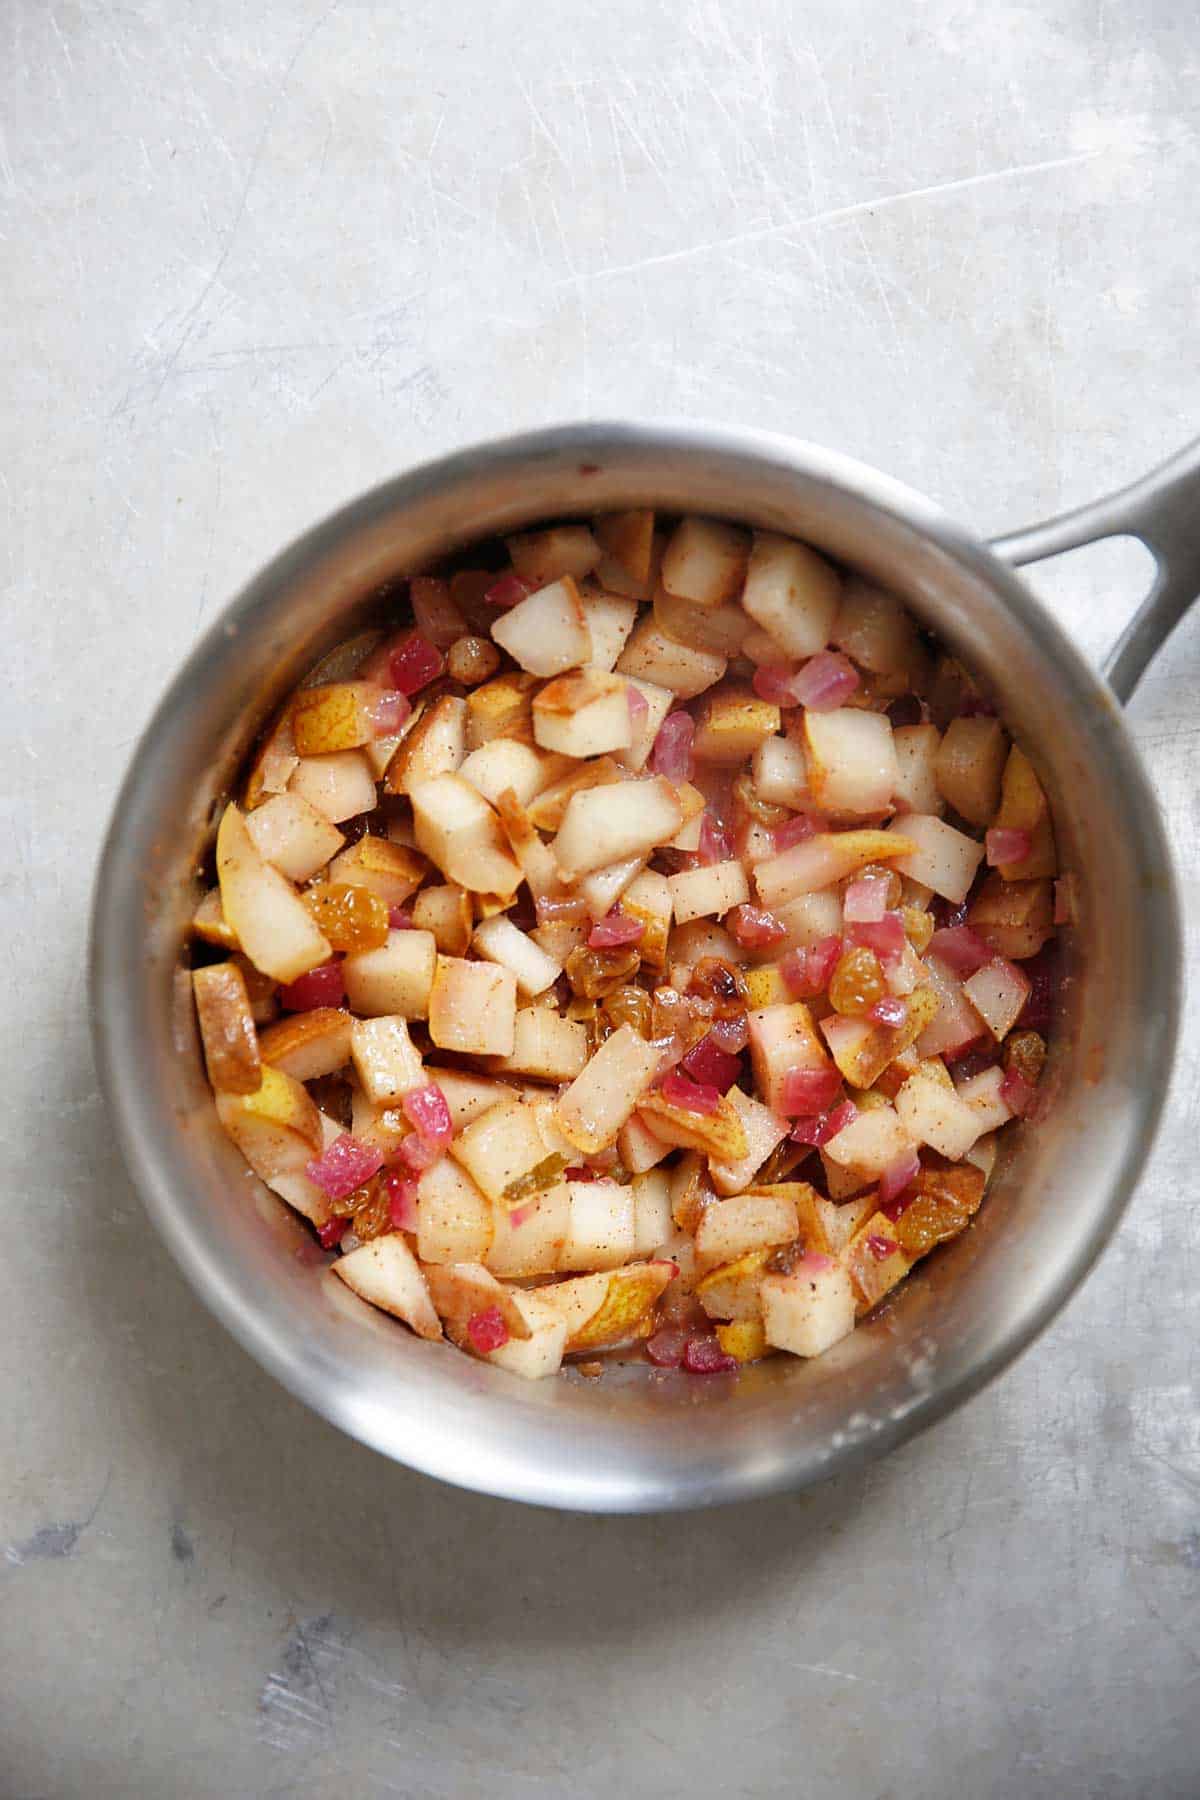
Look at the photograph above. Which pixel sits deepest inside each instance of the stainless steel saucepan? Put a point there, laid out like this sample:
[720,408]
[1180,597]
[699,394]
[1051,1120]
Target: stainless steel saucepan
[636,1441]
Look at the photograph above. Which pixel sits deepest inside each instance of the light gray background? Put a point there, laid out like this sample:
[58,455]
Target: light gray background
[254,258]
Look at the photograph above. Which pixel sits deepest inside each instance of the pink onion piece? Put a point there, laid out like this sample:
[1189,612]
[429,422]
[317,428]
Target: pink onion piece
[891,1011]
[325,986]
[732,1034]
[881,1247]
[399,919]
[487,1331]
[1017,1093]
[1003,844]
[614,929]
[898,1175]
[807,1091]
[690,1096]
[427,1112]
[865,900]
[813,1262]
[825,681]
[332,1232]
[665,1349]
[711,1066]
[638,705]
[793,831]
[716,845]
[344,1166]
[817,1131]
[507,590]
[672,752]
[402,1200]
[807,972]
[960,948]
[884,936]
[704,1356]
[753,927]
[387,711]
[418,1154]
[773,682]
[414,662]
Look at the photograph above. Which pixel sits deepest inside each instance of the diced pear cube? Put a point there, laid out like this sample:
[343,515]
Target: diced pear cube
[645,728]
[583,715]
[782,1038]
[609,622]
[309,1044]
[270,922]
[792,593]
[390,870]
[607,824]
[528,1238]
[340,786]
[731,723]
[385,1272]
[459,831]
[650,655]
[473,1007]
[871,1143]
[293,836]
[706,892]
[600,1228]
[730,1228]
[545,1046]
[916,748]
[876,629]
[944,859]
[446,911]
[386,1061]
[705,561]
[652,1222]
[544,556]
[500,941]
[454,1220]
[396,978]
[607,1090]
[500,1148]
[501,708]
[546,633]
[935,1115]
[809,1310]
[764,1133]
[541,1353]
[502,764]
[627,540]
[852,764]
[231,1049]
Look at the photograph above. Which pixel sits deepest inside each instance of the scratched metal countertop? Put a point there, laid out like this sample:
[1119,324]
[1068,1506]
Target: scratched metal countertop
[254,259]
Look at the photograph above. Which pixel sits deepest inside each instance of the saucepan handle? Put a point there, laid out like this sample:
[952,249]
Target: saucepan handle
[1163,510]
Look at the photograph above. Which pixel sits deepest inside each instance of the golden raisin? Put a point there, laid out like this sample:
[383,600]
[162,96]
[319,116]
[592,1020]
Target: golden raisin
[593,974]
[368,1207]
[717,980]
[472,660]
[629,1006]
[857,983]
[1025,1051]
[764,812]
[351,917]
[918,927]
[944,1203]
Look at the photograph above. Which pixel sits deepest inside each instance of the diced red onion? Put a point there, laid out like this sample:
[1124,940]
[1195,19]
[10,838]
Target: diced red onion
[344,1166]
[1004,844]
[884,936]
[711,1066]
[638,705]
[813,1262]
[704,1356]
[325,986]
[332,1232]
[881,1247]
[487,1330]
[865,900]
[672,752]
[716,845]
[519,1215]
[671,1050]
[753,927]
[614,929]
[387,711]
[960,948]
[825,681]
[1017,1093]
[414,662]
[891,1011]
[418,1154]
[807,972]
[774,683]
[665,1349]
[1043,971]
[793,831]
[807,1091]
[402,1200]
[427,1111]
[732,1034]
[973,1062]
[818,1130]
[507,590]
[899,1175]
[690,1096]
[399,919]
